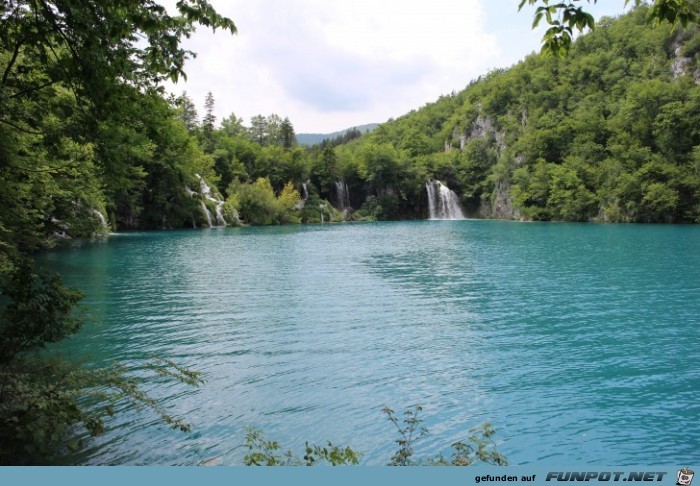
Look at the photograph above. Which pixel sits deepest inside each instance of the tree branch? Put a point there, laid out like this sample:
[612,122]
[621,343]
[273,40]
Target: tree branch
[36,88]
[42,32]
[13,59]
[21,129]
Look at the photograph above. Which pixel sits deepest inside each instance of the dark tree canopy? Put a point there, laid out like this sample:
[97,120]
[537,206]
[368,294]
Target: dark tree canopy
[86,142]
[93,42]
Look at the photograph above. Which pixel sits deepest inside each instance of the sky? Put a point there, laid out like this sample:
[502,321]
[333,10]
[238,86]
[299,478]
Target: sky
[329,65]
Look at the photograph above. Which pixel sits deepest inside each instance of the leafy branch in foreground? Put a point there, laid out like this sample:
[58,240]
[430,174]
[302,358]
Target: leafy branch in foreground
[267,453]
[563,18]
[478,447]
[410,431]
[47,403]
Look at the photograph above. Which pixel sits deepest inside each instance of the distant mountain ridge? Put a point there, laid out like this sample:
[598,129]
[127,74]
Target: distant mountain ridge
[315,138]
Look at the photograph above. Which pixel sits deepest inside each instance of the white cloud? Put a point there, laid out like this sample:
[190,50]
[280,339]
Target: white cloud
[330,65]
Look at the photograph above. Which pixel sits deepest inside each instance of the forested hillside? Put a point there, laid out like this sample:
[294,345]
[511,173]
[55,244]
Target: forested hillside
[609,133]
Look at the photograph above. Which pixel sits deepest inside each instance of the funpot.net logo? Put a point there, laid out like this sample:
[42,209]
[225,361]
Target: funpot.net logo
[684,477]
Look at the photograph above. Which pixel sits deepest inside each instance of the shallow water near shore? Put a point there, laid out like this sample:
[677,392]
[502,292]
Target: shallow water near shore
[579,342]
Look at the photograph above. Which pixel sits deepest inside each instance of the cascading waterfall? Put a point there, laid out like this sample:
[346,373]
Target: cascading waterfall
[443,203]
[305,196]
[100,217]
[207,213]
[205,191]
[343,196]
[219,214]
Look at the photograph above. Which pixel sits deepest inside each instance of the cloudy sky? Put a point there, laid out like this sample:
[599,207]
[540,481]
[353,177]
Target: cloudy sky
[333,64]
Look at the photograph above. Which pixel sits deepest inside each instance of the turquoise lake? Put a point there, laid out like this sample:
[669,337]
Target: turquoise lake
[580,343]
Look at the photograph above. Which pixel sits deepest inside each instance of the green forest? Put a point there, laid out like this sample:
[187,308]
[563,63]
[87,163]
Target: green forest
[90,143]
[609,133]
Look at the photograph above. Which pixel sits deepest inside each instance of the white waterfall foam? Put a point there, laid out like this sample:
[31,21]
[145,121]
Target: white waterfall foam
[443,203]
[203,186]
[205,191]
[101,217]
[207,213]
[342,196]
[220,221]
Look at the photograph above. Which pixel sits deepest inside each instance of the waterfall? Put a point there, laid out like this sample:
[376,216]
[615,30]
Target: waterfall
[100,217]
[305,196]
[207,213]
[443,203]
[205,191]
[343,196]
[220,221]
[203,186]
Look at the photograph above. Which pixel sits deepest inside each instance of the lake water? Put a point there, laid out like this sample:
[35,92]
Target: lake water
[579,342]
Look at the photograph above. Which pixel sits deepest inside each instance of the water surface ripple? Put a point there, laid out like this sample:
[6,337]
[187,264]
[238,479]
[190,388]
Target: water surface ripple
[579,343]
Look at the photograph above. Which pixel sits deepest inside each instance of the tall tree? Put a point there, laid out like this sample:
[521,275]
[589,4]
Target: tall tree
[288,138]
[274,133]
[232,126]
[259,129]
[187,112]
[209,118]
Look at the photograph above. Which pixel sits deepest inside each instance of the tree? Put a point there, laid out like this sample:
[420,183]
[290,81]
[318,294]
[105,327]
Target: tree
[287,137]
[274,130]
[563,18]
[288,201]
[258,129]
[256,203]
[232,126]
[72,73]
[42,397]
[65,68]
[326,169]
[209,118]
[93,43]
[187,112]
